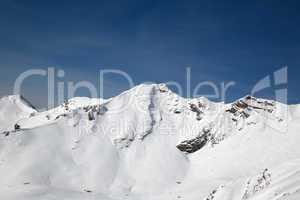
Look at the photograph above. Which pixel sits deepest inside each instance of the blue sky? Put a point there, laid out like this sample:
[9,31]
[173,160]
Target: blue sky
[241,41]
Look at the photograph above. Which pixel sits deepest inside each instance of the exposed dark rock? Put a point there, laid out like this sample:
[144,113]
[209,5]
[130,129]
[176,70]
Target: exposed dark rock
[244,114]
[163,88]
[17,127]
[197,110]
[194,108]
[231,110]
[199,117]
[95,109]
[248,97]
[192,145]
[6,133]
[66,104]
[102,110]
[243,107]
[177,111]
[257,185]
[91,116]
[241,104]
[201,105]
[61,115]
[211,196]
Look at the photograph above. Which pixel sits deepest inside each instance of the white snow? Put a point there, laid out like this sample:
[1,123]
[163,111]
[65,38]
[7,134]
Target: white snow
[126,148]
[12,109]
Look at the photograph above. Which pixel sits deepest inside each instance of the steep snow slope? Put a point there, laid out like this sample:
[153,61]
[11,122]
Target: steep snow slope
[12,109]
[149,143]
[51,116]
[279,183]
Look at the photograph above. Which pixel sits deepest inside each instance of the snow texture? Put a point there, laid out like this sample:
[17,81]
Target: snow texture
[150,143]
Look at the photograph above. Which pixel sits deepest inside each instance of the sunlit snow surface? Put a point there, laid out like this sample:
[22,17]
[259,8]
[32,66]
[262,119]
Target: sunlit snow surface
[126,147]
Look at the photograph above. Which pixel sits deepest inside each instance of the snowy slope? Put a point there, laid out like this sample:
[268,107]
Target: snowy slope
[149,143]
[12,109]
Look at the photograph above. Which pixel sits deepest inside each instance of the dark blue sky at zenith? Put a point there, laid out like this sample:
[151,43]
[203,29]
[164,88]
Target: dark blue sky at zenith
[221,41]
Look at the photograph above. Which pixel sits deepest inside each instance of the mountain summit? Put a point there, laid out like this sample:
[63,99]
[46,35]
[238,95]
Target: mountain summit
[150,143]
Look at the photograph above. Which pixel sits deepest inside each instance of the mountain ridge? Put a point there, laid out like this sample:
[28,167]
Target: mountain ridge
[150,143]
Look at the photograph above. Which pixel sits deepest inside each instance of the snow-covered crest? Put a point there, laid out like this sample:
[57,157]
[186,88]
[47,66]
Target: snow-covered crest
[148,143]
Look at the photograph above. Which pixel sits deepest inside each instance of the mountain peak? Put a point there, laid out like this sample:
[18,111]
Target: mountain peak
[127,144]
[17,99]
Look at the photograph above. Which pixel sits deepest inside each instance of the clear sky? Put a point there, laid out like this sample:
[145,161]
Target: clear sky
[240,41]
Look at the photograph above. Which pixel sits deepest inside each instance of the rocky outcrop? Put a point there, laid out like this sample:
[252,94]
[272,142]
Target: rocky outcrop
[190,146]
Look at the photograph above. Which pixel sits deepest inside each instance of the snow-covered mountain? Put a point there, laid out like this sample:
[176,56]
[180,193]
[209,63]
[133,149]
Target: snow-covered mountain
[150,143]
